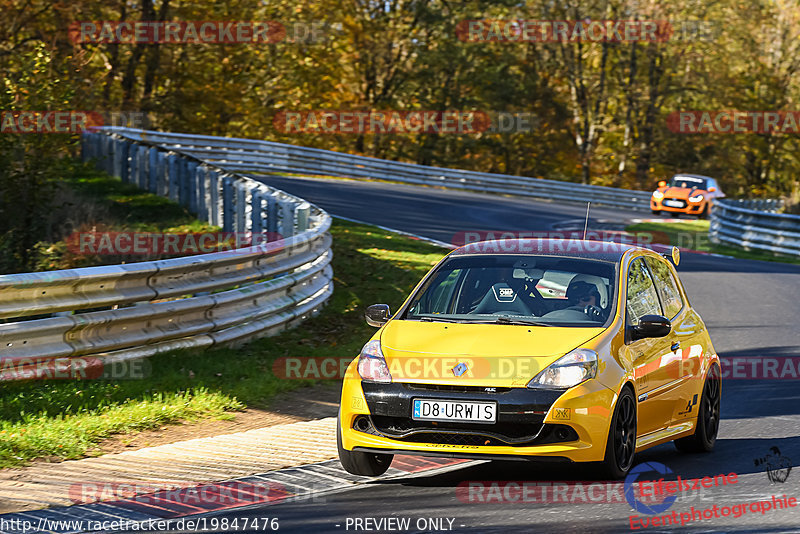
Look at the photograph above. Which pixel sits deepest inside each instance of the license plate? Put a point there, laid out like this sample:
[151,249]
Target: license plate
[449,410]
[673,203]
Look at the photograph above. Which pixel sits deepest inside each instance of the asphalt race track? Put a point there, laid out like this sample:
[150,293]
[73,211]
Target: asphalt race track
[750,308]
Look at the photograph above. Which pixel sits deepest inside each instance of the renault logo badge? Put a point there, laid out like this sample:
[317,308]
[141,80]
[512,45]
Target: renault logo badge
[460,369]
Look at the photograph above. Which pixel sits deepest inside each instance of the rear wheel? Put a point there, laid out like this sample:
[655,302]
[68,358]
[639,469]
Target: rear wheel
[705,433]
[621,443]
[361,463]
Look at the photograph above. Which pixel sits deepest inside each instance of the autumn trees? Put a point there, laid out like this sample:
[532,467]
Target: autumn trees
[601,107]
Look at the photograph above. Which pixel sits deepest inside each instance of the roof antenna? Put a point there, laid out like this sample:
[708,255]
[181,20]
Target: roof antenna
[586,224]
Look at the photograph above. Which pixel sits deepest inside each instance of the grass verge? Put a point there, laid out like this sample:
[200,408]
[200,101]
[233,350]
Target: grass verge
[63,420]
[694,235]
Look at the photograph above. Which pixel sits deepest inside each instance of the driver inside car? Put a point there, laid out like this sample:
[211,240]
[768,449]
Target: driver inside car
[585,297]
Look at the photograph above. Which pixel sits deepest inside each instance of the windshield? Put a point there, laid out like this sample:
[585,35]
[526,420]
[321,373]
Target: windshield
[689,182]
[541,290]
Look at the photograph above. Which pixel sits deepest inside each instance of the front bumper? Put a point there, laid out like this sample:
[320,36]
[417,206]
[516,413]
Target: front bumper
[550,424]
[688,207]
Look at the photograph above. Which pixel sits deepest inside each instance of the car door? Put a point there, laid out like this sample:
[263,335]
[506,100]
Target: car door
[647,355]
[685,367]
[684,361]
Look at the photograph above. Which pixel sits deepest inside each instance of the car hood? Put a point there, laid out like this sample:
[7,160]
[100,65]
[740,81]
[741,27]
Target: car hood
[682,192]
[498,355]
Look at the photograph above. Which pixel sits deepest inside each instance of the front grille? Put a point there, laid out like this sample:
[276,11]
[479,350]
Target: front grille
[499,434]
[405,428]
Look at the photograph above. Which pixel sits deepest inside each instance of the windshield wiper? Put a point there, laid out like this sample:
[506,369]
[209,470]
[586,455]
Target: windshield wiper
[438,320]
[504,319]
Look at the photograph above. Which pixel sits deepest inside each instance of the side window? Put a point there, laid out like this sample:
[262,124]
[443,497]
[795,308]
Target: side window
[641,293]
[667,287]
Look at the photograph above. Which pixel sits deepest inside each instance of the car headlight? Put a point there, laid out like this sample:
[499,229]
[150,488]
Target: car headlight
[570,370]
[696,198]
[372,365]
[658,195]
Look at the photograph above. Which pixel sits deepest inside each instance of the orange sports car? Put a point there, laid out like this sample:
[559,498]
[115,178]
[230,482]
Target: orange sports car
[686,193]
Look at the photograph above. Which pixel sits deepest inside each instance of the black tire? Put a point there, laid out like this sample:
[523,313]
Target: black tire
[621,443]
[705,433]
[703,214]
[361,463]
[656,212]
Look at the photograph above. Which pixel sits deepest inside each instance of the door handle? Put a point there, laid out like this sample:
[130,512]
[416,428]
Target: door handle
[676,345]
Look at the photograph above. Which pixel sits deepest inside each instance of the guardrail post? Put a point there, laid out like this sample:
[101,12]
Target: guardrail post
[116,162]
[301,214]
[102,156]
[212,196]
[162,174]
[152,174]
[286,223]
[201,192]
[85,146]
[240,222]
[713,226]
[144,164]
[227,203]
[133,150]
[172,174]
[97,150]
[272,213]
[124,169]
[189,187]
[111,147]
[257,211]
[100,152]
[176,180]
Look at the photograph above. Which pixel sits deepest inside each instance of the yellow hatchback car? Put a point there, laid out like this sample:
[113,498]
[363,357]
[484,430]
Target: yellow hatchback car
[486,361]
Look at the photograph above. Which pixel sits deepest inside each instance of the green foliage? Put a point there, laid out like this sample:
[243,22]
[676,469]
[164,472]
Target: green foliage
[601,109]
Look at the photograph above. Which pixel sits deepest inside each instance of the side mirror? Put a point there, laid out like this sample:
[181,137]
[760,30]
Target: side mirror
[712,189]
[652,326]
[662,183]
[377,314]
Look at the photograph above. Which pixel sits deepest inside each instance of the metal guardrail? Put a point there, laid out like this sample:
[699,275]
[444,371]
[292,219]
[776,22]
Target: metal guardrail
[771,205]
[161,305]
[254,156]
[734,222]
